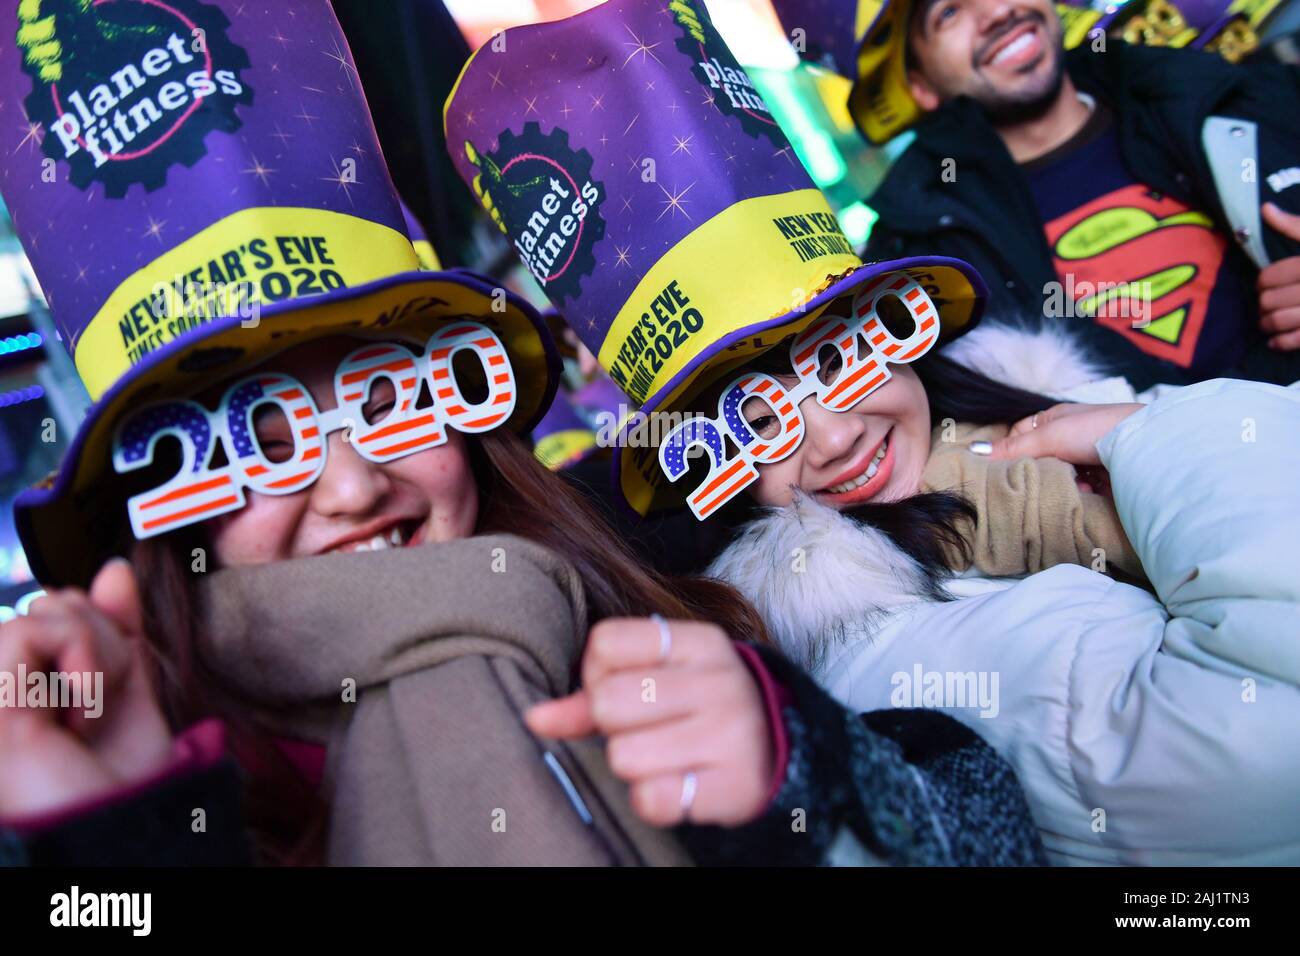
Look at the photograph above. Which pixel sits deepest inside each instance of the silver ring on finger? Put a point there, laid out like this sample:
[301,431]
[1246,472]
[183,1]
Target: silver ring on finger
[665,638]
[690,783]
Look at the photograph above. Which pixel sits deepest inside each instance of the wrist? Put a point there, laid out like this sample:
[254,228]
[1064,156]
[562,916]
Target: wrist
[775,697]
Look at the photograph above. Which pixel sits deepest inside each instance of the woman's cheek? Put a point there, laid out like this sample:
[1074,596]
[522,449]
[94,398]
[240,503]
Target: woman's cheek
[776,483]
[445,480]
[258,533]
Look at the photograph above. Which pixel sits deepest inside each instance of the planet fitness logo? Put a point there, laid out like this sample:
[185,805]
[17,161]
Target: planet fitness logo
[128,88]
[715,67]
[540,192]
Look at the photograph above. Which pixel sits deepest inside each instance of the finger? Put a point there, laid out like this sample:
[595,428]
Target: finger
[26,643]
[1280,297]
[99,644]
[1280,273]
[564,719]
[47,769]
[666,748]
[1286,342]
[635,698]
[1030,444]
[623,642]
[1281,320]
[61,637]
[31,646]
[1284,222]
[1024,425]
[1046,416]
[658,800]
[115,592]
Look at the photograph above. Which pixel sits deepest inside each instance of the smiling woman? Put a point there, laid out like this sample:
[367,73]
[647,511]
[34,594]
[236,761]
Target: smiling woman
[317,549]
[467,626]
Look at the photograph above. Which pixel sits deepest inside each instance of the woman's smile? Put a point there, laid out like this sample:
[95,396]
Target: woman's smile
[865,479]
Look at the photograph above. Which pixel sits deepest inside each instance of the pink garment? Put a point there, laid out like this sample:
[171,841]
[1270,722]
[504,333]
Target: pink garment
[196,749]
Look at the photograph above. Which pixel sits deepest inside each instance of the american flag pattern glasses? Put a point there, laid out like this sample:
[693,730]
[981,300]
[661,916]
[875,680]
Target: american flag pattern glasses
[198,492]
[858,377]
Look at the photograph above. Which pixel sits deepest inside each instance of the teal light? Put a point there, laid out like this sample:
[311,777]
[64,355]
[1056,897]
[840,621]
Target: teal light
[19,343]
[812,143]
[856,220]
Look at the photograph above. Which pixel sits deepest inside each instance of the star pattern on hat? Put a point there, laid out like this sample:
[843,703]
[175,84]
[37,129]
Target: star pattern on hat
[343,179]
[259,170]
[676,202]
[306,94]
[628,91]
[33,133]
[641,47]
[343,62]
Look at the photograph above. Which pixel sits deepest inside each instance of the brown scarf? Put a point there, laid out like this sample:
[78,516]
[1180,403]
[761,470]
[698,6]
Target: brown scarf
[442,648]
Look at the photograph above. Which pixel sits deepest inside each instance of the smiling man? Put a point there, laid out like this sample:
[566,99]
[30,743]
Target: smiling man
[1140,195]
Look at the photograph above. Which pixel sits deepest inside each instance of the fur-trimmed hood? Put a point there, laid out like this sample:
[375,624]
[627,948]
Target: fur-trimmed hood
[1048,360]
[819,578]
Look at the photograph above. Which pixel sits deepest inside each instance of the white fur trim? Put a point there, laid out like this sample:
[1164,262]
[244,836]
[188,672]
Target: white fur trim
[1049,360]
[851,575]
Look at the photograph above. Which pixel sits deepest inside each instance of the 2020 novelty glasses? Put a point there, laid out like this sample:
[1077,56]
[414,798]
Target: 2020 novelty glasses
[198,491]
[857,378]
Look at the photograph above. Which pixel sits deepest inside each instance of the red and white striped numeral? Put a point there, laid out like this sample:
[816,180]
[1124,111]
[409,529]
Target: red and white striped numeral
[772,393]
[258,471]
[455,409]
[403,431]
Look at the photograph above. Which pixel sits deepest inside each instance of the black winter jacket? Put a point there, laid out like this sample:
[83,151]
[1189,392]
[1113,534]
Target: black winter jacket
[1161,99]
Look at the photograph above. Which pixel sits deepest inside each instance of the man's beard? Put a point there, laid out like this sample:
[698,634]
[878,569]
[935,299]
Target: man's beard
[1025,107]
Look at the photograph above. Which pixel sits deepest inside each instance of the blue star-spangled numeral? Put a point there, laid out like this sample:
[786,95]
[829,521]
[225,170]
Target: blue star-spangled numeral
[185,416]
[735,421]
[696,431]
[237,407]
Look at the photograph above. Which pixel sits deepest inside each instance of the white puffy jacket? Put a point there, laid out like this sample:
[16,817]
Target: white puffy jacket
[1146,729]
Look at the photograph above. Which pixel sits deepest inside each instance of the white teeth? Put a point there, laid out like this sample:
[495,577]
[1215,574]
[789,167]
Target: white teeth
[395,537]
[379,542]
[1014,47]
[866,476]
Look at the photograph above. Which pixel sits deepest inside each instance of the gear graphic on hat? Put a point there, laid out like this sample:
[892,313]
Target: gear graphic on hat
[539,191]
[42,21]
[495,181]
[118,86]
[733,92]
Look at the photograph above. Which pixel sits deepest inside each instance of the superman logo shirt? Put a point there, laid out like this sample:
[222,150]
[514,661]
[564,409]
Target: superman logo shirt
[1135,261]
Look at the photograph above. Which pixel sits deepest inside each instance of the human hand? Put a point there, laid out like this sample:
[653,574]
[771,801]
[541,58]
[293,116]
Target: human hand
[696,712]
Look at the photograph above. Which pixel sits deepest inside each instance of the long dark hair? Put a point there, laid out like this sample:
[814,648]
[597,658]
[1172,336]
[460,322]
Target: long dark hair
[517,495]
[928,526]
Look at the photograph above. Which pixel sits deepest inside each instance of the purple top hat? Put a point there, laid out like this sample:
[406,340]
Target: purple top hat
[198,184]
[419,237]
[642,179]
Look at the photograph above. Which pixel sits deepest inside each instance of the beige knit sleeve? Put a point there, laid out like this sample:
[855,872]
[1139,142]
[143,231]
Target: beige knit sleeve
[1032,515]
